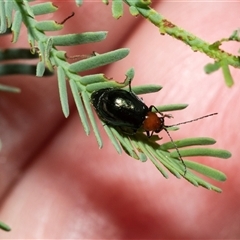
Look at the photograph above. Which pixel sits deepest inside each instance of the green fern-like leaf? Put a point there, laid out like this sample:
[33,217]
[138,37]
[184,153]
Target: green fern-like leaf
[164,156]
[213,50]
[138,146]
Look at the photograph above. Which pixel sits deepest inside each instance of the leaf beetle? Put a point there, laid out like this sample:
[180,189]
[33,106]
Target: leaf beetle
[124,109]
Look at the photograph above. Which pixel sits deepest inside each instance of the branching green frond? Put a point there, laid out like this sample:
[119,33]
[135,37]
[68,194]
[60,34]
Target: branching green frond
[166,27]
[138,146]
[163,155]
[49,56]
[213,50]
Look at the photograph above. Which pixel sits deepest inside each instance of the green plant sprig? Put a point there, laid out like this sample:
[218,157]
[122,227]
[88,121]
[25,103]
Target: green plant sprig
[222,59]
[137,146]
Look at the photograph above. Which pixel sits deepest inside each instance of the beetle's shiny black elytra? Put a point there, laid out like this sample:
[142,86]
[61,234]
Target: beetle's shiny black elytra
[119,108]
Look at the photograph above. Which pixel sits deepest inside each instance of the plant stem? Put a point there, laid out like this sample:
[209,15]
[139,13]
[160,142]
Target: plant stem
[197,44]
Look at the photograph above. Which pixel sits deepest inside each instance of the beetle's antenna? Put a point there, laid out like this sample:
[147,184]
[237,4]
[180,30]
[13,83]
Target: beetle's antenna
[185,167]
[193,120]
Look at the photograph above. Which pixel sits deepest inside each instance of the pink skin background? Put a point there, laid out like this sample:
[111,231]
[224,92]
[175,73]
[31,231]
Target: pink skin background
[56,183]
